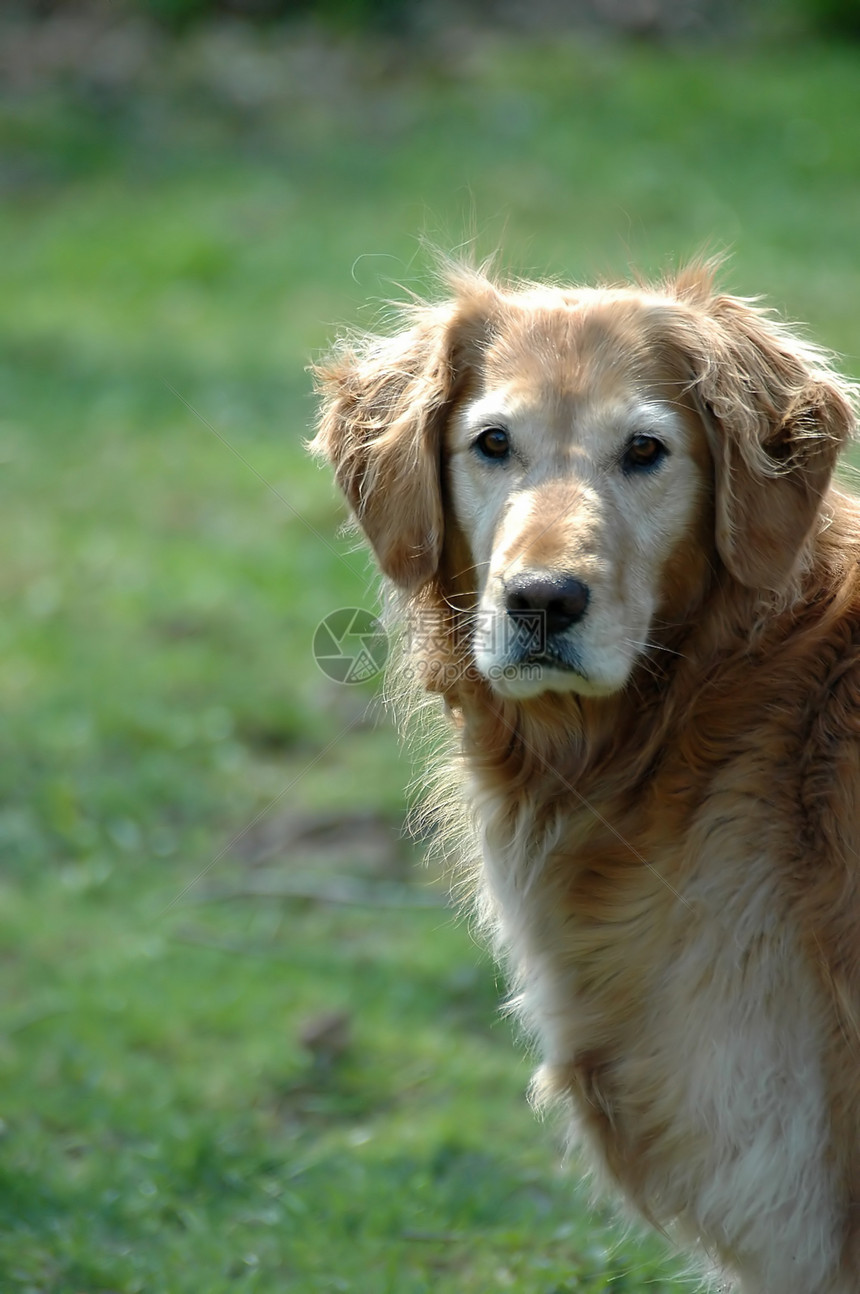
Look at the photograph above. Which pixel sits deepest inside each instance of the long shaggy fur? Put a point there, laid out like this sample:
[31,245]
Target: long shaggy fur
[666,844]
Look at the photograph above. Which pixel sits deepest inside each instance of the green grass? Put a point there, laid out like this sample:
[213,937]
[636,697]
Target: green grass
[170,262]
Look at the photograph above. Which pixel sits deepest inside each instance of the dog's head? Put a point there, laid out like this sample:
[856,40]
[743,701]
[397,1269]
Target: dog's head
[571,469]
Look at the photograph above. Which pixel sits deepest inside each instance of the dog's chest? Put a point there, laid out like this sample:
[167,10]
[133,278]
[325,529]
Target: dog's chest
[670,1003]
[574,909]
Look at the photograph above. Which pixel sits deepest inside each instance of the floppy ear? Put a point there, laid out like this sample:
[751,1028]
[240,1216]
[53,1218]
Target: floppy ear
[384,403]
[776,416]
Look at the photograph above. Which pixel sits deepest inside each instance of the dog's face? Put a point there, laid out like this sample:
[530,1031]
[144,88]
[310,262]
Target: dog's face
[579,479]
[566,472]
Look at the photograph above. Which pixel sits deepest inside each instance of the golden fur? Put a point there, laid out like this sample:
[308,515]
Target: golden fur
[665,793]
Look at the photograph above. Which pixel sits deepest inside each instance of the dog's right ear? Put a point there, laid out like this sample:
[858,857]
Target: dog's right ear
[384,404]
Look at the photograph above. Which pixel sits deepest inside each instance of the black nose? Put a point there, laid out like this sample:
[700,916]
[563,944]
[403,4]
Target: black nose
[560,599]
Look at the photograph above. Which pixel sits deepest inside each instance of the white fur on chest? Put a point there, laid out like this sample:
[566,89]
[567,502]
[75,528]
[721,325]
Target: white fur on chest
[716,1060]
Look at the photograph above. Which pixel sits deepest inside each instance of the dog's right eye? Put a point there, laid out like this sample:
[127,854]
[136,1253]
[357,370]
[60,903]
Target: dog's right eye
[493,442]
[643,453]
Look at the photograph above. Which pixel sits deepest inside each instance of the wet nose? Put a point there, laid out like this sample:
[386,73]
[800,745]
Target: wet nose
[560,599]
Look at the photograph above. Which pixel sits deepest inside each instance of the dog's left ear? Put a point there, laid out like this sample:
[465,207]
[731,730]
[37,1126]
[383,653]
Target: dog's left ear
[384,404]
[777,417]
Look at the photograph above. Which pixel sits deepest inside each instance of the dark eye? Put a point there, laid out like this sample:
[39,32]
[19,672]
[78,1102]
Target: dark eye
[494,442]
[642,453]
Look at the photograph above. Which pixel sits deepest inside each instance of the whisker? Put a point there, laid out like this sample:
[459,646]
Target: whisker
[645,645]
[475,566]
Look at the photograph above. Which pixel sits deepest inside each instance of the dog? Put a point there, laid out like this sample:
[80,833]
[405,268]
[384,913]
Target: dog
[608,519]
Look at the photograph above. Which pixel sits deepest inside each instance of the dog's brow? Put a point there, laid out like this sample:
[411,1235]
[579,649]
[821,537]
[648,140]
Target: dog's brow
[488,411]
[637,414]
[654,415]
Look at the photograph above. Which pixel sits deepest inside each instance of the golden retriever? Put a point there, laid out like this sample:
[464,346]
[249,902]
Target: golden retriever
[608,516]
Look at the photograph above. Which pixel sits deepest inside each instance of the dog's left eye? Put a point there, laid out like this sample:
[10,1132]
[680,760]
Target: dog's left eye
[494,442]
[643,452]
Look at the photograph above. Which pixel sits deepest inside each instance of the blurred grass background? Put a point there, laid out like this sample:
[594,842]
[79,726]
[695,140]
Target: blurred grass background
[244,1043]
